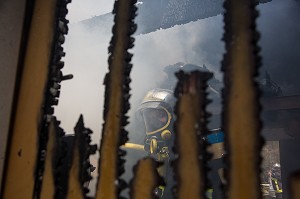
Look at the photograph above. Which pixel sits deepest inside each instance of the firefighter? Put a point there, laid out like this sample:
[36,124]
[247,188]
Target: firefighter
[156,113]
[275,178]
[215,141]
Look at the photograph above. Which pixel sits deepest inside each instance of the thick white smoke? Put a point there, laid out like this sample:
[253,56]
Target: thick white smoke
[87,56]
[196,43]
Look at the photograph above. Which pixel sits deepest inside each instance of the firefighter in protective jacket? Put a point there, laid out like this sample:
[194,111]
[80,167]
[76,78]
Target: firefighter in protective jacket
[276,180]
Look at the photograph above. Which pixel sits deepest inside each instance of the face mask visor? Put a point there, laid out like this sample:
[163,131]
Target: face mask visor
[155,119]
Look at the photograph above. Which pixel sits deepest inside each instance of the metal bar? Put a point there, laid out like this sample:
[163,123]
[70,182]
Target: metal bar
[241,121]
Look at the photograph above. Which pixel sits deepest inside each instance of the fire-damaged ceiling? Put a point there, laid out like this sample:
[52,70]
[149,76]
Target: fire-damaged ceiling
[161,14]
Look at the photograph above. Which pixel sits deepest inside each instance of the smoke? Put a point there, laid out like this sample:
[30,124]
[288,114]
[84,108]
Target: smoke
[87,55]
[86,58]
[195,43]
[79,10]
[191,43]
[280,30]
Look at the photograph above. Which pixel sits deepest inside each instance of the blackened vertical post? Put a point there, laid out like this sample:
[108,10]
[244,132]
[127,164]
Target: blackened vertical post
[145,179]
[116,102]
[190,128]
[241,121]
[31,112]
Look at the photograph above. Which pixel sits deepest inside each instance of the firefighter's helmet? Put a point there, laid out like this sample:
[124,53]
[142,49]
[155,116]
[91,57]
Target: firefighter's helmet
[276,171]
[156,111]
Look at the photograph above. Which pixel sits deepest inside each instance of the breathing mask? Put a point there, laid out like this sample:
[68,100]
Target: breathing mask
[156,113]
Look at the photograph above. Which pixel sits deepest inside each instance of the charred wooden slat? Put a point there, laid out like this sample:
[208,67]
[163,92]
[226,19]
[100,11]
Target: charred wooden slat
[146,179]
[241,121]
[48,188]
[116,102]
[25,133]
[80,171]
[56,150]
[74,187]
[60,161]
[39,91]
[190,127]
[52,90]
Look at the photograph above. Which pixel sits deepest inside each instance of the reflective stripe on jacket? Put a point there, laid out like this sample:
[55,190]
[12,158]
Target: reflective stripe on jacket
[277,187]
